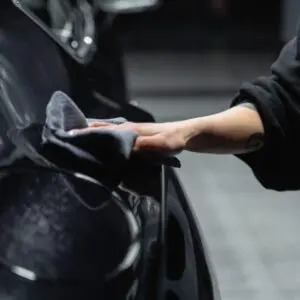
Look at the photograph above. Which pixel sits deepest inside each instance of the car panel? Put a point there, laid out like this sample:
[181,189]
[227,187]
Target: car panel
[207,284]
[193,279]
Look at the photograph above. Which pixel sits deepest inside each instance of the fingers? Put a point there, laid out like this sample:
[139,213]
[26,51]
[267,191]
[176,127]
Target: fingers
[142,129]
[128,126]
[150,136]
[103,125]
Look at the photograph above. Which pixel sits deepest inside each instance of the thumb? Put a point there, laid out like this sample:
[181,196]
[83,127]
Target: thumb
[151,143]
[100,124]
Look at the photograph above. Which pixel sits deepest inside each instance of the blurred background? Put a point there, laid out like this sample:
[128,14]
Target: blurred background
[187,59]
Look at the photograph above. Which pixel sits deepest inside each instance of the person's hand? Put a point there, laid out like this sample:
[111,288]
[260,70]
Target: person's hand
[166,138]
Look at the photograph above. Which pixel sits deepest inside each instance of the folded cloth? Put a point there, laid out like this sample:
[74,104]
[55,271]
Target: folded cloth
[91,151]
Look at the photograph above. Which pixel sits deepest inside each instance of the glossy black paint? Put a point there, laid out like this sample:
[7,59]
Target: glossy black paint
[44,230]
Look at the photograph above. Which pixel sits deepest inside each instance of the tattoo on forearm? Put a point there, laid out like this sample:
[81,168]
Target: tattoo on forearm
[255,142]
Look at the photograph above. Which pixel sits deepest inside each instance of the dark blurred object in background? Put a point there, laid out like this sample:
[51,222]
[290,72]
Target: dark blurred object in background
[220,8]
[194,24]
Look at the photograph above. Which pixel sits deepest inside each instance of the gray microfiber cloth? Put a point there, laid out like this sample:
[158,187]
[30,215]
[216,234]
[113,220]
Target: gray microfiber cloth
[95,148]
[101,152]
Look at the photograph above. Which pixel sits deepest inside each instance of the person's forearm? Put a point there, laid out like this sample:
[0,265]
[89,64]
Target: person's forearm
[235,131]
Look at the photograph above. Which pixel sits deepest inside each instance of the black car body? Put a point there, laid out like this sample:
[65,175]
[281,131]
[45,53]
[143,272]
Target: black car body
[43,232]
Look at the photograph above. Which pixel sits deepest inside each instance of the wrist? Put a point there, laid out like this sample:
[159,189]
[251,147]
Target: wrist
[192,128]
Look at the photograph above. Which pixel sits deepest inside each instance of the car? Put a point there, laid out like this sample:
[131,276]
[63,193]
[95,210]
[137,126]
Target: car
[145,242]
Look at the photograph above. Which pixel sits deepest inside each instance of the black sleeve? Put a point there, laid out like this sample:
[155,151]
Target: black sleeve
[277,99]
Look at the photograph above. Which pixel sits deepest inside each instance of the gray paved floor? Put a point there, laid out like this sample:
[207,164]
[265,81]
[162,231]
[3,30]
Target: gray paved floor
[169,72]
[252,234]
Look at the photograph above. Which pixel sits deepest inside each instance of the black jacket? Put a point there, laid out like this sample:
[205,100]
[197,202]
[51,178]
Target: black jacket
[277,99]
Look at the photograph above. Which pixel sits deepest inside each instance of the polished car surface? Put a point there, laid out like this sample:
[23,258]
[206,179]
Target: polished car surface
[52,247]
